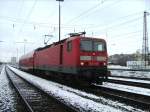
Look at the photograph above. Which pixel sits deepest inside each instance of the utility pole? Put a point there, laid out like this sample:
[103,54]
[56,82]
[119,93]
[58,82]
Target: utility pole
[17,54]
[145,48]
[24,47]
[60,18]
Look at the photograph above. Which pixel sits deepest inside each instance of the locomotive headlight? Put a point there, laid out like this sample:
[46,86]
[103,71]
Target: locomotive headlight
[104,63]
[82,63]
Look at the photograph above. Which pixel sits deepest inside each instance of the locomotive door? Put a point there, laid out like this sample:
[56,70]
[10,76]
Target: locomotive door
[61,55]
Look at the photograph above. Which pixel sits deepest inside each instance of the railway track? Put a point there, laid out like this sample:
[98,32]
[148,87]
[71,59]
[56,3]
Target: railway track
[80,100]
[138,100]
[128,77]
[130,94]
[123,69]
[130,82]
[34,99]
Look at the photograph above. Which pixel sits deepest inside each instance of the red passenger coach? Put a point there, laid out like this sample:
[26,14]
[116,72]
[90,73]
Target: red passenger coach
[26,62]
[76,56]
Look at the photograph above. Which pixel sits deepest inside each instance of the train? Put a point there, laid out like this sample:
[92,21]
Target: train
[77,57]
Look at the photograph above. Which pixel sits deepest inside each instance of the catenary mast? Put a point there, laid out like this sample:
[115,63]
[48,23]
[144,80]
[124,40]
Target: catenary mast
[145,48]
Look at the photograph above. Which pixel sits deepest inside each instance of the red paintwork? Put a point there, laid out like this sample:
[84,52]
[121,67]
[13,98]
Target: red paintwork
[94,62]
[27,61]
[50,56]
[71,59]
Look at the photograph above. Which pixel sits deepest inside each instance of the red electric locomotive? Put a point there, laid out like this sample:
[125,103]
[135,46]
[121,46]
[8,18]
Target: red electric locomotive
[77,56]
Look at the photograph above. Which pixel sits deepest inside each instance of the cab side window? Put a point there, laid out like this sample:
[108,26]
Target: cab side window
[69,46]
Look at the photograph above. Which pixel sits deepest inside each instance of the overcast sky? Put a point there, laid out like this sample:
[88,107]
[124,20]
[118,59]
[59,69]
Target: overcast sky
[120,22]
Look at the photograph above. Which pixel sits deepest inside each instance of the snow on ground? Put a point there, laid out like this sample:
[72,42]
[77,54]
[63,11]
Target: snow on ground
[7,97]
[139,74]
[131,80]
[127,88]
[72,97]
[118,67]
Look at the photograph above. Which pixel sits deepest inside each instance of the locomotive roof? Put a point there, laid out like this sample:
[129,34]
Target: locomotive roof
[56,43]
[66,39]
[28,55]
[53,44]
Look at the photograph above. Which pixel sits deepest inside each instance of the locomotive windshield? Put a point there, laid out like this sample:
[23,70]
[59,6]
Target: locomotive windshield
[92,45]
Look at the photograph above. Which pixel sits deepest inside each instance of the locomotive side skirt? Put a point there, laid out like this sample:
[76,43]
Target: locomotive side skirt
[74,70]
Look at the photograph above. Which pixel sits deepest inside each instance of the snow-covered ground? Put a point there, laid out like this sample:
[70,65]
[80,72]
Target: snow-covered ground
[118,67]
[76,98]
[127,88]
[139,74]
[131,80]
[8,98]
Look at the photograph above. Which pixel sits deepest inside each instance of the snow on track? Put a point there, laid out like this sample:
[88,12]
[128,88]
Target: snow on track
[73,97]
[138,74]
[117,67]
[131,80]
[8,98]
[132,89]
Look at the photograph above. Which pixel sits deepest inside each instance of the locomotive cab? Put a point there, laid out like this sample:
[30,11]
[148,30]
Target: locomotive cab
[93,58]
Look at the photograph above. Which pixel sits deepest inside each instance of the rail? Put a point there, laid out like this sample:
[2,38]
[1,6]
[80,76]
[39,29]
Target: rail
[130,82]
[28,107]
[35,99]
[123,69]
[138,99]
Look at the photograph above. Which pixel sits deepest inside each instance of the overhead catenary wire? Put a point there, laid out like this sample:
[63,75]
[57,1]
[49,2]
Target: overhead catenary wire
[63,26]
[115,25]
[126,34]
[89,11]
[81,14]
[68,26]
[121,24]
[85,12]
[18,20]
[117,36]
[120,18]
[27,17]
[39,24]
[129,21]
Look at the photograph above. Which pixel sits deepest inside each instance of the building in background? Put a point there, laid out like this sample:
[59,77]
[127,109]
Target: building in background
[13,60]
[137,64]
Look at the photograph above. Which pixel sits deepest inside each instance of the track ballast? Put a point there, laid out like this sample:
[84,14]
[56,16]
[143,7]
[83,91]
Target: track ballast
[34,99]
